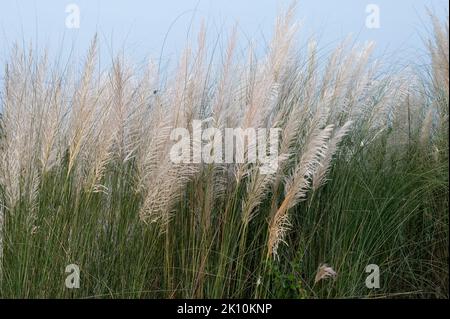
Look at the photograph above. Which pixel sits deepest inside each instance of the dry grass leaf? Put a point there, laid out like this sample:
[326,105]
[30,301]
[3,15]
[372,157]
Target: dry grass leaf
[323,272]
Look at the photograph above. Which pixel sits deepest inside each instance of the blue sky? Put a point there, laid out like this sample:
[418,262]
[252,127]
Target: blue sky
[140,27]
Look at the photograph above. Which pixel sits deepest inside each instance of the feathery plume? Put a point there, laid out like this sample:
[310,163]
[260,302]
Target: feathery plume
[319,177]
[324,272]
[297,186]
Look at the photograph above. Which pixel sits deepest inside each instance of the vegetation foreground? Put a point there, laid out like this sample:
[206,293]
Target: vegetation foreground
[86,178]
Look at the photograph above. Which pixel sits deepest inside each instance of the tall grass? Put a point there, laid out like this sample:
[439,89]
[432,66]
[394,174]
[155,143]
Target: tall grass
[86,177]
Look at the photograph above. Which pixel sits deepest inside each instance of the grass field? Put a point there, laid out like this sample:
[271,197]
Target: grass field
[86,178]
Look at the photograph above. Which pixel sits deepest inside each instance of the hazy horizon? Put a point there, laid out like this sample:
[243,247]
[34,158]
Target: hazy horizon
[143,28]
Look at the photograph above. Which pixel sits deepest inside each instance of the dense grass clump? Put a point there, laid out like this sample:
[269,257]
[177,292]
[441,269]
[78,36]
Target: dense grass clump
[362,178]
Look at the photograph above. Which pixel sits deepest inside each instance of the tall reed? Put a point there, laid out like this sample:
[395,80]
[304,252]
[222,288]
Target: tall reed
[86,175]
